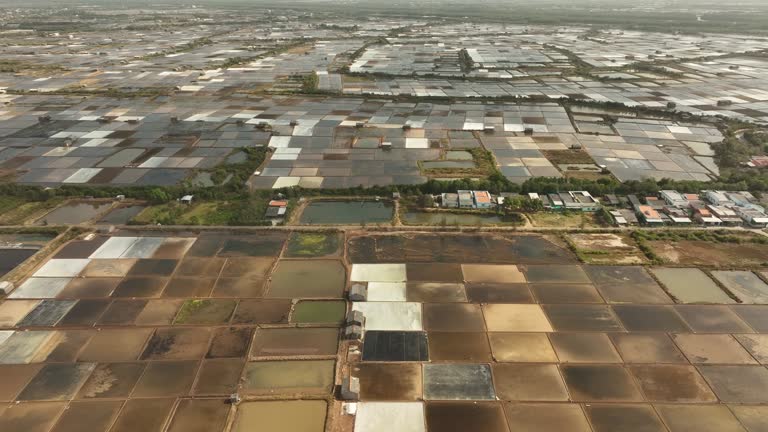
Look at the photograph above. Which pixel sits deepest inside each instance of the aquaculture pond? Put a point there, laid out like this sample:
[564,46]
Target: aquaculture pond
[346,212]
[415,217]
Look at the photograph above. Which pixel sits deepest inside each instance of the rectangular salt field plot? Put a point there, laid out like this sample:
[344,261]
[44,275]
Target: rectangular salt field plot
[691,285]
[21,347]
[294,416]
[746,285]
[458,382]
[386,291]
[114,247]
[62,268]
[12,311]
[40,288]
[4,335]
[394,316]
[289,377]
[395,346]
[492,273]
[47,313]
[378,273]
[144,247]
[390,416]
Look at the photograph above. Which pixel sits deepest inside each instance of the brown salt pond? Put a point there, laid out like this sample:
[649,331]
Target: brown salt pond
[112,380]
[229,342]
[177,344]
[57,381]
[456,248]
[388,381]
[281,342]
[465,416]
[85,313]
[566,293]
[307,279]
[147,415]
[448,317]
[623,417]
[73,213]
[600,383]
[153,267]
[294,416]
[691,285]
[584,348]
[319,312]
[219,377]
[200,415]
[13,378]
[31,417]
[546,417]
[650,318]
[498,293]
[434,272]
[310,377]
[712,319]
[135,287]
[114,345]
[122,312]
[672,383]
[90,415]
[166,379]
[240,287]
[521,347]
[108,268]
[435,292]
[459,346]
[582,318]
[266,311]
[647,348]
[626,284]
[205,267]
[525,382]
[205,311]
[185,287]
[89,288]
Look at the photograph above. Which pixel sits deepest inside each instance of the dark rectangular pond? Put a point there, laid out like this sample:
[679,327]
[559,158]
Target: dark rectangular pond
[73,213]
[346,212]
[443,218]
[121,215]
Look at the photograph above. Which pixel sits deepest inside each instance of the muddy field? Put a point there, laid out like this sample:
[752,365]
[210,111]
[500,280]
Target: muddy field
[457,248]
[711,254]
[618,249]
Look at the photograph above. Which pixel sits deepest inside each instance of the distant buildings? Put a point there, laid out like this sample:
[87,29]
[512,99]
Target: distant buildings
[710,207]
[467,200]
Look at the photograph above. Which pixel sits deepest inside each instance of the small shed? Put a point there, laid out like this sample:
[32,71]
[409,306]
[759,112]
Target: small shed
[186,199]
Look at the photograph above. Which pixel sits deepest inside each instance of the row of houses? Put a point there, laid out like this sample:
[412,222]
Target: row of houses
[712,208]
[467,200]
[572,200]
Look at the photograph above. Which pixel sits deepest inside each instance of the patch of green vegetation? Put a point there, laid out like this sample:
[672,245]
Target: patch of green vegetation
[241,212]
[15,66]
[319,312]
[312,244]
[709,236]
[485,165]
[465,60]
[309,83]
[189,309]
[116,93]
[646,249]
[27,211]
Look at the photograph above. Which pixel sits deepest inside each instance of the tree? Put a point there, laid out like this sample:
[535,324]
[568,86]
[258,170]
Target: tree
[158,196]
